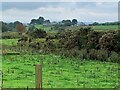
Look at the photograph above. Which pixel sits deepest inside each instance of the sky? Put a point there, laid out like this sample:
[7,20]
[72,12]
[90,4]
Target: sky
[57,11]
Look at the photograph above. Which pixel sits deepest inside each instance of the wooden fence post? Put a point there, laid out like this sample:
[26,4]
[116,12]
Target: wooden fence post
[38,77]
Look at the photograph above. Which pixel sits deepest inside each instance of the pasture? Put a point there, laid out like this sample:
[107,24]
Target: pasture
[8,42]
[105,27]
[58,72]
[97,27]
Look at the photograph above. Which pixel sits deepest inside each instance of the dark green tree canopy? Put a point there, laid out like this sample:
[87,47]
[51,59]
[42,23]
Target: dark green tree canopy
[40,20]
[67,22]
[74,21]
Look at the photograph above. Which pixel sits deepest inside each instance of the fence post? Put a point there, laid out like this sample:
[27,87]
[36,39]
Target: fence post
[38,77]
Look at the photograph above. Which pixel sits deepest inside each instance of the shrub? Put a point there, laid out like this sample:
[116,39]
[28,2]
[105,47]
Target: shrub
[117,41]
[71,39]
[50,37]
[83,54]
[73,52]
[49,46]
[107,41]
[38,33]
[93,40]
[82,37]
[102,55]
[114,57]
[10,35]
[92,54]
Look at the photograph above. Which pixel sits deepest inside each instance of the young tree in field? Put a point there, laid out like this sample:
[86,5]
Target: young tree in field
[20,28]
[23,41]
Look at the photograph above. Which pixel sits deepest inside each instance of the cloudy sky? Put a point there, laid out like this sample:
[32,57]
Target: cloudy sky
[57,11]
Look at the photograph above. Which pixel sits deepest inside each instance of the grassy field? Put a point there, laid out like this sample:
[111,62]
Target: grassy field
[46,28]
[103,27]
[19,71]
[8,42]
[97,28]
[58,72]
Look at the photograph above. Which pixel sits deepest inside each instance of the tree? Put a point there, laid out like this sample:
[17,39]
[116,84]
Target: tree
[15,23]
[31,28]
[38,33]
[6,27]
[74,21]
[95,23]
[47,21]
[20,28]
[40,20]
[67,22]
[33,21]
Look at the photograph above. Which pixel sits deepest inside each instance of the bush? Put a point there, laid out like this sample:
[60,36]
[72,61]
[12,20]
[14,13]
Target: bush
[114,57]
[93,40]
[71,39]
[83,54]
[117,41]
[10,35]
[92,54]
[38,33]
[73,52]
[102,55]
[107,41]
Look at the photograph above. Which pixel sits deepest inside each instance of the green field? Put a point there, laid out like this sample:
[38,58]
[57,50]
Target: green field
[46,28]
[8,42]
[105,27]
[58,72]
[96,28]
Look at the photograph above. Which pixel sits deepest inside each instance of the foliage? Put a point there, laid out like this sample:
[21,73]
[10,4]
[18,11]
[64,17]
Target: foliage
[10,35]
[107,41]
[66,22]
[114,57]
[93,39]
[40,20]
[74,21]
[38,33]
[105,24]
[20,28]
[117,41]
[8,27]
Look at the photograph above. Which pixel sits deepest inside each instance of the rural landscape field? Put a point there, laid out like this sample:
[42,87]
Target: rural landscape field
[73,54]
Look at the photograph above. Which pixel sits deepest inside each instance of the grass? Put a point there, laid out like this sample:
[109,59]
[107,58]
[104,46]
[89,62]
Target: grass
[96,28]
[46,28]
[104,27]
[58,72]
[8,42]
